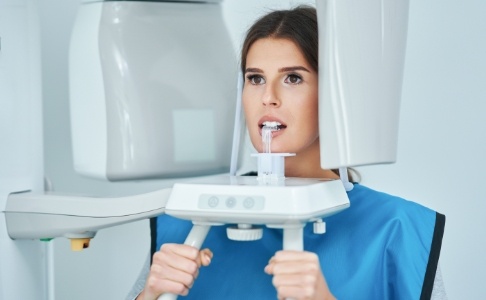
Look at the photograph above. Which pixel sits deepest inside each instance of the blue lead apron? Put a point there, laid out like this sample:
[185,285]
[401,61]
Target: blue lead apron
[382,247]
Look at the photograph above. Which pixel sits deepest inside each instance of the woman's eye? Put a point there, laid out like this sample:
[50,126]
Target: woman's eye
[255,79]
[293,79]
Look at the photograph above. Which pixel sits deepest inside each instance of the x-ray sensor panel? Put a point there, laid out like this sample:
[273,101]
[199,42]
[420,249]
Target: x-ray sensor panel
[151,84]
[361,53]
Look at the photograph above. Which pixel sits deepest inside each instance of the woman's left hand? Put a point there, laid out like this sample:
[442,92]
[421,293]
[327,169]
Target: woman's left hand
[298,275]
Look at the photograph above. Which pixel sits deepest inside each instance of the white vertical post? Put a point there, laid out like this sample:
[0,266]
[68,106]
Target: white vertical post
[293,238]
[235,150]
[22,271]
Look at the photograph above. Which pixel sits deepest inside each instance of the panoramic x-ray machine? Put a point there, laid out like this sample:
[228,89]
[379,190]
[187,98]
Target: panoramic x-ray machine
[152,94]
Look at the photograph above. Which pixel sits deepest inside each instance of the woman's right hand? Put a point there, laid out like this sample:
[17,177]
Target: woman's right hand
[174,269]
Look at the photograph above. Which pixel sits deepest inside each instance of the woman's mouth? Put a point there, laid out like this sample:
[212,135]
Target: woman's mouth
[272,125]
[276,128]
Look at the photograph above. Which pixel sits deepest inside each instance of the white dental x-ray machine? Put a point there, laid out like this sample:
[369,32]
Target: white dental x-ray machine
[142,73]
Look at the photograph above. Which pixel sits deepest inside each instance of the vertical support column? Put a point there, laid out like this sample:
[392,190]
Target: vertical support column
[22,271]
[293,238]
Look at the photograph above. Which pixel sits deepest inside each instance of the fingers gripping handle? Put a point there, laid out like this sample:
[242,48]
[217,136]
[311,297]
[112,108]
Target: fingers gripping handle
[293,239]
[196,237]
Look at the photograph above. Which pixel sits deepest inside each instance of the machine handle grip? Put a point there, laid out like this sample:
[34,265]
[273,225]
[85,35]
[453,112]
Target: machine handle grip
[196,237]
[293,239]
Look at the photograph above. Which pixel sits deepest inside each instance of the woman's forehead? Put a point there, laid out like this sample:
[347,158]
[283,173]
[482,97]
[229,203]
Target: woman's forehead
[274,50]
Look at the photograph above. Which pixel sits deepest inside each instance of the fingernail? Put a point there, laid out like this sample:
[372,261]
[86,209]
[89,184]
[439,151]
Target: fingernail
[267,269]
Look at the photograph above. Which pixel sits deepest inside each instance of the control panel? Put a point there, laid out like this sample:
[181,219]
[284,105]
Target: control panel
[231,202]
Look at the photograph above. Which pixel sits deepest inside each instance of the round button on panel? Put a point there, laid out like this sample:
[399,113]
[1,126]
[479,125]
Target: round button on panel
[231,202]
[213,201]
[248,203]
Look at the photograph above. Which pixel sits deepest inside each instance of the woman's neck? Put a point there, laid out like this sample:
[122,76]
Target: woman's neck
[307,164]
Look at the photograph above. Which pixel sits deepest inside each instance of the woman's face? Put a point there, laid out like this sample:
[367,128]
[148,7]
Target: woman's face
[281,86]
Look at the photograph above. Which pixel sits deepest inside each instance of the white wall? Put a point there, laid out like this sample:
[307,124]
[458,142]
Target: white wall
[442,139]
[440,144]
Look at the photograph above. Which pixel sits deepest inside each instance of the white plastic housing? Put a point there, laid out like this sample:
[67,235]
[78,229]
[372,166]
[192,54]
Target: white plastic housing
[244,200]
[38,215]
[271,165]
[361,54]
[152,85]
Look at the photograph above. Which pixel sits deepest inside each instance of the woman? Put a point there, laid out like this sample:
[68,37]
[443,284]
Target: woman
[382,247]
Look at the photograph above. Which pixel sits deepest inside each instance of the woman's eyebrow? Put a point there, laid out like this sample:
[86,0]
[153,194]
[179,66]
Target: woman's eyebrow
[290,69]
[285,69]
[253,70]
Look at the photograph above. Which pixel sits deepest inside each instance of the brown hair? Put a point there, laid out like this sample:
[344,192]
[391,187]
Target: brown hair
[298,25]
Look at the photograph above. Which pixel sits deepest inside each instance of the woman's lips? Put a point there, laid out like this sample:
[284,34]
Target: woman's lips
[270,119]
[271,122]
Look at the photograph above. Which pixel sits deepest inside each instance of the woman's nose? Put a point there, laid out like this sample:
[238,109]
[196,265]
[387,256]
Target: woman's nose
[271,98]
